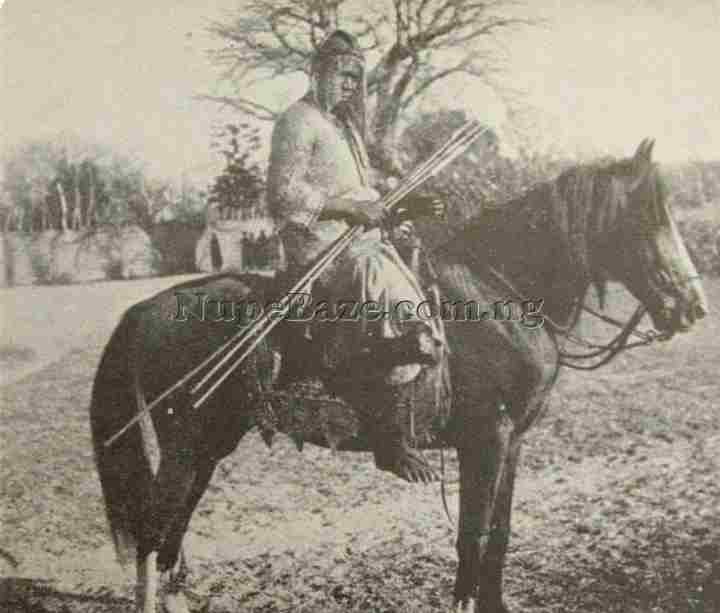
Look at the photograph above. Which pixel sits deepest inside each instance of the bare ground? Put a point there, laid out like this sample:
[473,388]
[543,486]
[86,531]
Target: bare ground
[617,506]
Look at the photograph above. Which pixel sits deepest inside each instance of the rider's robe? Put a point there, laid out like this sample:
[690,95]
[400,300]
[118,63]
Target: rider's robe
[314,159]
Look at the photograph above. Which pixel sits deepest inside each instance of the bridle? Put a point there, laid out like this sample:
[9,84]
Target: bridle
[607,352]
[603,353]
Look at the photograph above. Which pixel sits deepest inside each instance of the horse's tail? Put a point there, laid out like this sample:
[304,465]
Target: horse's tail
[124,469]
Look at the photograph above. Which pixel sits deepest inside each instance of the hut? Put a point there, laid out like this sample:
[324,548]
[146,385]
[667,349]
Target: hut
[220,247]
[238,242]
[138,257]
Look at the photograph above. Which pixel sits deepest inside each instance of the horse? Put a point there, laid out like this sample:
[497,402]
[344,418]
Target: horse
[595,223]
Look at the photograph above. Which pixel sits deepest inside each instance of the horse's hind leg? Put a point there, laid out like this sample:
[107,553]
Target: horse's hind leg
[483,452]
[171,558]
[147,580]
[173,482]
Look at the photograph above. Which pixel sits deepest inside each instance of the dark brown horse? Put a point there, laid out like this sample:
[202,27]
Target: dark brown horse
[598,222]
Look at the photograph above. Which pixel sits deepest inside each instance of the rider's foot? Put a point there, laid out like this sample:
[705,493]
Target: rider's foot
[396,457]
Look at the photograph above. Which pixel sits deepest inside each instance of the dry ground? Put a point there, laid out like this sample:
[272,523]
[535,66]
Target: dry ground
[617,506]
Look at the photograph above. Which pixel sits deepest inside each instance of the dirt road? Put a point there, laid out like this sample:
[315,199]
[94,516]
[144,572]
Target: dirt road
[617,507]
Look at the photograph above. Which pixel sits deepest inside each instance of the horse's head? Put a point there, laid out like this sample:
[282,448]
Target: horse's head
[646,252]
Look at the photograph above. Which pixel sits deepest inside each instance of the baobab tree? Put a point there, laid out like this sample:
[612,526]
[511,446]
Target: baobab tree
[412,44]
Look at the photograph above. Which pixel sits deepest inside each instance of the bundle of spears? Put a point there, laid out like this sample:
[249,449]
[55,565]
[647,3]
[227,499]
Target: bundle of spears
[247,339]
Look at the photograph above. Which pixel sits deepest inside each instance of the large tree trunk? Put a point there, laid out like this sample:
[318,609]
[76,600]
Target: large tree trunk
[391,80]
[77,209]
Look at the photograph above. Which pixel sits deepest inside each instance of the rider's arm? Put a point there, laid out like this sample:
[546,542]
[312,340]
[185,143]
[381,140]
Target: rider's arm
[357,207]
[290,196]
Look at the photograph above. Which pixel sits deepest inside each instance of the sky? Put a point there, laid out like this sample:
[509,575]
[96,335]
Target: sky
[599,76]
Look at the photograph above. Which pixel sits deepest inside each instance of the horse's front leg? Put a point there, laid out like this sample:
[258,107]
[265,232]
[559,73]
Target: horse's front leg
[490,590]
[484,453]
[146,587]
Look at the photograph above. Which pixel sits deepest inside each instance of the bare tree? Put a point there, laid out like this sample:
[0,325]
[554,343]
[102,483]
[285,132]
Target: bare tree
[418,42]
[37,194]
[63,207]
[91,214]
[76,223]
[7,207]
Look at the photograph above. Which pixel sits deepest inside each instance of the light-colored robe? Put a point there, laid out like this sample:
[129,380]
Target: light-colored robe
[312,161]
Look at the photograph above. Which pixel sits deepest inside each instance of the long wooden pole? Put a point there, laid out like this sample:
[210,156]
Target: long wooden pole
[185,379]
[262,329]
[253,334]
[413,179]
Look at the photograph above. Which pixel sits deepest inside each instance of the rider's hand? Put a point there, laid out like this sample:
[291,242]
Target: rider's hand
[415,207]
[363,207]
[404,231]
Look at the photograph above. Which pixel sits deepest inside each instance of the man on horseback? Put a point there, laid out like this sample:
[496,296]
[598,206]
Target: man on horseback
[318,186]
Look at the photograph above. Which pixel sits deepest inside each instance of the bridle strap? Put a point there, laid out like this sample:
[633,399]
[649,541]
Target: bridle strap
[609,350]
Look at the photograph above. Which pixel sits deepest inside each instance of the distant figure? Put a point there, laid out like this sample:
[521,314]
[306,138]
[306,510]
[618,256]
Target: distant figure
[261,251]
[248,250]
[215,254]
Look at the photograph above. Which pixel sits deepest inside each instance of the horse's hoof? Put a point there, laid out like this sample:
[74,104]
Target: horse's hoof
[471,606]
[466,606]
[175,602]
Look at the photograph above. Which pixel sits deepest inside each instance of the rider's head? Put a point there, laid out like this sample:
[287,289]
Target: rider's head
[338,77]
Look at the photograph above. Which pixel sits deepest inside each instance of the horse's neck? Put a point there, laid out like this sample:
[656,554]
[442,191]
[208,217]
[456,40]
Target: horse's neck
[531,257]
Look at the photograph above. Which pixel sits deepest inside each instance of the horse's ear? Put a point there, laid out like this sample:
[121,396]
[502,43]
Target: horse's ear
[644,150]
[642,160]
[640,150]
[649,149]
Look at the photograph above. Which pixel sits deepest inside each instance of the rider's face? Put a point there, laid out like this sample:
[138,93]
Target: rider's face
[343,82]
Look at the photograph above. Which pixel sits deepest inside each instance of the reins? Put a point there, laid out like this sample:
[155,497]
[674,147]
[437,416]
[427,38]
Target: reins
[606,352]
[611,349]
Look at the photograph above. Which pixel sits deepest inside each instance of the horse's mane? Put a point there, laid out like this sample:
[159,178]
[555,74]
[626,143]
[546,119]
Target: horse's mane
[577,209]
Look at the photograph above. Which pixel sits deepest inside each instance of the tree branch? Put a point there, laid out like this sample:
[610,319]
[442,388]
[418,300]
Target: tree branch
[281,38]
[249,107]
[427,82]
[274,38]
